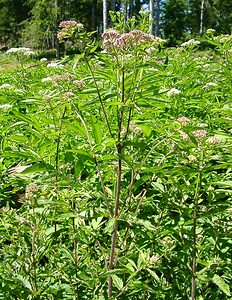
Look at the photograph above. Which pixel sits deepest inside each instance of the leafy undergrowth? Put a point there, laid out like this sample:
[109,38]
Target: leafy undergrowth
[116,175]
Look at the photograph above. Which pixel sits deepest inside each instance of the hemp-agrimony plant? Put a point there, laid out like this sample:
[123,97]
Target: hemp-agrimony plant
[125,54]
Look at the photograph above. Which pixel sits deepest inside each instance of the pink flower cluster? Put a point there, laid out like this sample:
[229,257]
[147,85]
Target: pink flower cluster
[68,24]
[200,133]
[114,41]
[68,28]
[183,120]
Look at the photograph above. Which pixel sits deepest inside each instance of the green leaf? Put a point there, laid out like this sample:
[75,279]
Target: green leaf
[117,282]
[225,183]
[96,129]
[146,129]
[153,274]
[25,282]
[223,286]
[37,167]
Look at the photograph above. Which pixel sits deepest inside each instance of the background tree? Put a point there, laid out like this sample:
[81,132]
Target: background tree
[34,23]
[174,20]
[12,13]
[157,17]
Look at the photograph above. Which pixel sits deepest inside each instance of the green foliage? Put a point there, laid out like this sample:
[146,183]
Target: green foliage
[116,167]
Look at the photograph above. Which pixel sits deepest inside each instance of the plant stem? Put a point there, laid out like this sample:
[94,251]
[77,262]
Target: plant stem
[57,154]
[196,200]
[33,254]
[118,190]
[99,97]
[96,162]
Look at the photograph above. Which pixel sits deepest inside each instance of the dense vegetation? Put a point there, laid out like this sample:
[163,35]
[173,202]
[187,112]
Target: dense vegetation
[116,170]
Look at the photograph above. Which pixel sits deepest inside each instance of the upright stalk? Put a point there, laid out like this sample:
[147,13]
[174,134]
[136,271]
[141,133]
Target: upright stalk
[196,201]
[33,254]
[118,190]
[57,155]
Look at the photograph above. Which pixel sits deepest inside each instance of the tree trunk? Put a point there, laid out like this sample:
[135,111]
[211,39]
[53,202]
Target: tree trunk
[93,13]
[202,16]
[104,15]
[137,7]
[157,15]
[57,45]
[151,16]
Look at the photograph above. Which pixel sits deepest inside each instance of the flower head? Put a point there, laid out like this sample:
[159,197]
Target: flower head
[192,158]
[68,95]
[210,84]
[68,29]
[79,83]
[6,86]
[183,120]
[210,31]
[31,189]
[214,140]
[173,92]
[46,79]
[5,106]
[21,50]
[114,41]
[154,260]
[55,65]
[190,43]
[200,133]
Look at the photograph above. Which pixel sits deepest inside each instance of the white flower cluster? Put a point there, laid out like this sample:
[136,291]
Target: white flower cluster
[46,79]
[190,43]
[223,38]
[210,31]
[21,50]
[6,86]
[55,65]
[173,92]
[210,84]
[5,106]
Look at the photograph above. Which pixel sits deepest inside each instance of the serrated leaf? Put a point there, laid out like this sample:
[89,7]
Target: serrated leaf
[223,286]
[158,186]
[146,129]
[25,282]
[153,274]
[117,282]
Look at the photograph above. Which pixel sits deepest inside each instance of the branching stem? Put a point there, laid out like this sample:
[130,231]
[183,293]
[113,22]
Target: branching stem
[99,97]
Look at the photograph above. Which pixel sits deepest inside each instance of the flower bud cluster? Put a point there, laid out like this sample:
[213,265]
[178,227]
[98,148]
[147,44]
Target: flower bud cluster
[79,83]
[173,92]
[63,77]
[224,38]
[190,43]
[31,189]
[21,50]
[114,41]
[68,28]
[200,133]
[5,106]
[183,121]
[68,24]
